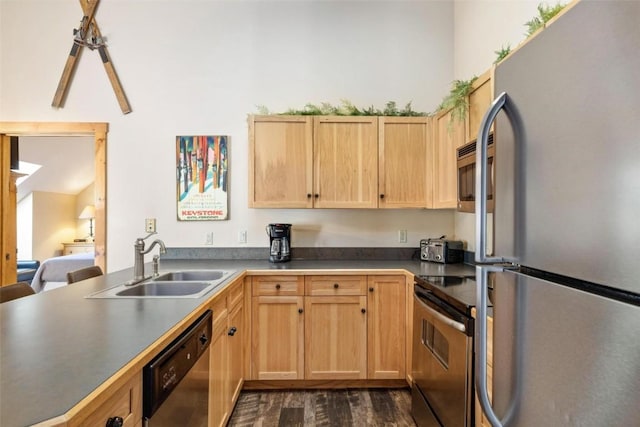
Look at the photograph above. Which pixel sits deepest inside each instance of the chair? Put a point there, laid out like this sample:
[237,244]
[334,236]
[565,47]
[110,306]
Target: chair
[83,273]
[15,291]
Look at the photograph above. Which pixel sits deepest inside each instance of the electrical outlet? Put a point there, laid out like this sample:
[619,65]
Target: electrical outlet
[242,236]
[150,225]
[209,238]
[402,236]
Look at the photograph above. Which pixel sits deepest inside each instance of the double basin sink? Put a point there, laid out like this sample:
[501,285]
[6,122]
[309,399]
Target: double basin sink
[175,284]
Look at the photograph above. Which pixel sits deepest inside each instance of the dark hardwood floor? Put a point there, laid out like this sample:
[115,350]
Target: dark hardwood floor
[346,407]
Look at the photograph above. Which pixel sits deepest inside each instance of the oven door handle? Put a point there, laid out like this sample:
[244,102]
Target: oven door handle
[441,317]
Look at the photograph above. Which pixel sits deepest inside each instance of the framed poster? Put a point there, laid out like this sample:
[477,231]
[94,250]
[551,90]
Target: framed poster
[201,177]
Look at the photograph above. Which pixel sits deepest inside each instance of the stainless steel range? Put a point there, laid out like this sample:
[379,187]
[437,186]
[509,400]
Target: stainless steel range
[442,368]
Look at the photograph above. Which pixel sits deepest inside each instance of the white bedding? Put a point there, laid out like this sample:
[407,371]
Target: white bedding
[52,273]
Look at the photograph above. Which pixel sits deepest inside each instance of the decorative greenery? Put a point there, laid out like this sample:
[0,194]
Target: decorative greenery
[502,53]
[457,101]
[347,108]
[545,13]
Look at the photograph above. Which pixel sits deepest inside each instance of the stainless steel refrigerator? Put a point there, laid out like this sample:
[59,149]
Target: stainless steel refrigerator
[566,237]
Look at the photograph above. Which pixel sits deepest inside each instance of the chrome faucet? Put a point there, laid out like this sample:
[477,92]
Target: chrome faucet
[139,253]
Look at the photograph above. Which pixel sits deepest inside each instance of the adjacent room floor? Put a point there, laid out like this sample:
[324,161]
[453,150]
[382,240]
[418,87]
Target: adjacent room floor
[347,407]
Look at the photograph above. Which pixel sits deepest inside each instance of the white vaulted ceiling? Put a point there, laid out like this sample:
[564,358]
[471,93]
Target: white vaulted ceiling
[67,164]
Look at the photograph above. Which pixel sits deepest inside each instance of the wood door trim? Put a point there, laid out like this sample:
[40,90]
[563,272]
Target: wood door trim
[99,132]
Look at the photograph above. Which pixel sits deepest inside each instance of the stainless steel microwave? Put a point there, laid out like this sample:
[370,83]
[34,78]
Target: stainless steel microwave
[466,156]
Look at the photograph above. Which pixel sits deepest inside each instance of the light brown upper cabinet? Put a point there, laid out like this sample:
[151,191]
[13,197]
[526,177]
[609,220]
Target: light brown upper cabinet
[345,162]
[480,99]
[353,161]
[280,161]
[405,163]
[448,136]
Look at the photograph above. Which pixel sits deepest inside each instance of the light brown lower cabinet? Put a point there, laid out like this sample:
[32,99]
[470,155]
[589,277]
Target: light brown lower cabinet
[481,419]
[386,335]
[226,354]
[218,369]
[335,338]
[277,330]
[124,401]
[234,336]
[337,327]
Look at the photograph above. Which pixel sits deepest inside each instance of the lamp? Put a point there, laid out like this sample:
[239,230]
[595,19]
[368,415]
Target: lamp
[89,212]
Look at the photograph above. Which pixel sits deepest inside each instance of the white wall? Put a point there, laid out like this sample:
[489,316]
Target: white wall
[481,28]
[485,26]
[199,67]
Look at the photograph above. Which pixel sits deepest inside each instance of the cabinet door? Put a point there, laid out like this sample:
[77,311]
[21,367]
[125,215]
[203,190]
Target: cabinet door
[277,338]
[386,327]
[405,162]
[218,365]
[235,334]
[336,337]
[125,402]
[448,135]
[480,100]
[280,161]
[345,162]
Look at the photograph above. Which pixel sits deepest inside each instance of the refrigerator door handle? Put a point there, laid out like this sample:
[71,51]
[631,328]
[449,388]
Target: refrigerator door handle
[482,278]
[500,103]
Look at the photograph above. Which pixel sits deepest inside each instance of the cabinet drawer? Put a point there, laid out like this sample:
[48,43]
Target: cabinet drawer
[126,402]
[335,285]
[235,295]
[219,308]
[277,285]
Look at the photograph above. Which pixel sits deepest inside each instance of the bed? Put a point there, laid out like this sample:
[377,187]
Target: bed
[52,273]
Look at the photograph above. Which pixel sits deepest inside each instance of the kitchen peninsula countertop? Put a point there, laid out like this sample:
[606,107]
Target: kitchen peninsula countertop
[56,347]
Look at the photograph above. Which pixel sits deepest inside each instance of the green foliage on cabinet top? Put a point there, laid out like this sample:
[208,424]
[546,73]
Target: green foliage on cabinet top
[347,108]
[545,13]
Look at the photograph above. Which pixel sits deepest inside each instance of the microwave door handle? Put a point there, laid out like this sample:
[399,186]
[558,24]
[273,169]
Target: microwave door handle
[482,278]
[500,103]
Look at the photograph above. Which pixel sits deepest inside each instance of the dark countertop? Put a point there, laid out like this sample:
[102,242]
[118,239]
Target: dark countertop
[57,347]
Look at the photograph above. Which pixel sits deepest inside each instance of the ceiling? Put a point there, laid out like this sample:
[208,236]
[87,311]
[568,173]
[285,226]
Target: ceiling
[67,164]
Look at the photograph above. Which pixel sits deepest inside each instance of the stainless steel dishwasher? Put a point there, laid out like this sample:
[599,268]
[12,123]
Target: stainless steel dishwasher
[176,381]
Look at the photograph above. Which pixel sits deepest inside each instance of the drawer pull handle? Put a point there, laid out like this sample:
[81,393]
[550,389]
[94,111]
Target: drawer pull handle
[300,310]
[336,286]
[371,289]
[278,286]
[232,331]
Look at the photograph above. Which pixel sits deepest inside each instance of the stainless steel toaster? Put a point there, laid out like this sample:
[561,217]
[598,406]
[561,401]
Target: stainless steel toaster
[441,250]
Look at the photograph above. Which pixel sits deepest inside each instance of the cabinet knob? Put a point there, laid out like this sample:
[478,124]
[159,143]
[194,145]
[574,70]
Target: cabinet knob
[232,331]
[115,422]
[316,195]
[300,310]
[278,286]
[364,310]
[371,289]
[382,196]
[308,195]
[336,286]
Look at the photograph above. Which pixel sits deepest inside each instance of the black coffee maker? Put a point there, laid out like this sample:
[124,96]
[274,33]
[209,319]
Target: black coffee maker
[279,242]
